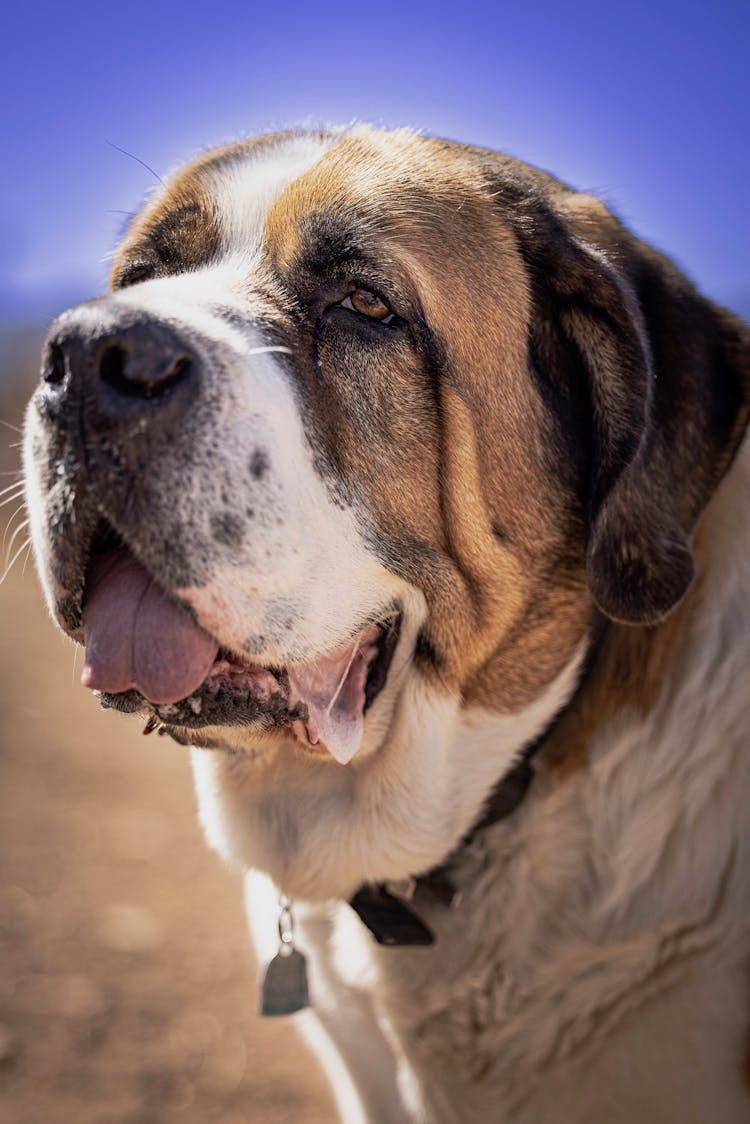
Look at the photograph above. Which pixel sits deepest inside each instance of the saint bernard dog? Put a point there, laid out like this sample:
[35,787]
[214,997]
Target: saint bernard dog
[410,489]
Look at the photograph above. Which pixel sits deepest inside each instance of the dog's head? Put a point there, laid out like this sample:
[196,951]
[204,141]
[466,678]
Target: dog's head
[367,431]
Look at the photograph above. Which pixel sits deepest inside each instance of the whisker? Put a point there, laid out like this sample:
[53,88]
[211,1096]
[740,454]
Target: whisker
[26,559]
[9,426]
[10,565]
[75,661]
[16,533]
[9,499]
[14,499]
[8,525]
[266,350]
[11,486]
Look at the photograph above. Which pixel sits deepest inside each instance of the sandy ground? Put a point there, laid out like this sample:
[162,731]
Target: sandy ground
[127,987]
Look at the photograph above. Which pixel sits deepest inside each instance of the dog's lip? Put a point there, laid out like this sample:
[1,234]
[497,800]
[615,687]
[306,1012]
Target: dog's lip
[147,652]
[223,701]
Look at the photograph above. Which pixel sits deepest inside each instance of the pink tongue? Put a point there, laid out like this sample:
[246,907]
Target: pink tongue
[137,636]
[333,689]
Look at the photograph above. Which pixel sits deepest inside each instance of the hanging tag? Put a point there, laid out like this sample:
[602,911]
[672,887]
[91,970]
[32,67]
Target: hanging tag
[284,989]
[285,984]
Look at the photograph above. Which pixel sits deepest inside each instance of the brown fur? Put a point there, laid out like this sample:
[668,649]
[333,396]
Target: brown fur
[491,501]
[425,220]
[631,666]
[534,448]
[178,230]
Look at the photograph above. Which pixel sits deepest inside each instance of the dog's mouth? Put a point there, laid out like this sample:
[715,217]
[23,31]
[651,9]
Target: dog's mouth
[146,652]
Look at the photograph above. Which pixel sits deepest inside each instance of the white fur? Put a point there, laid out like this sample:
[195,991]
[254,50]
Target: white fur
[320,829]
[434,793]
[597,966]
[595,922]
[303,557]
[245,190]
[303,560]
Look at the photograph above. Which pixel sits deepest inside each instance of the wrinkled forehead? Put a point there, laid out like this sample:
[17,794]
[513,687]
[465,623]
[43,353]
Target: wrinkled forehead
[313,194]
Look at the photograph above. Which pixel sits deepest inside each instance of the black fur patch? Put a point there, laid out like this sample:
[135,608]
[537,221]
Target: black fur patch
[426,655]
[227,528]
[259,464]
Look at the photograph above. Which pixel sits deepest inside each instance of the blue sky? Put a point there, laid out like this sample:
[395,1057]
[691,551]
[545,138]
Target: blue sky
[645,103]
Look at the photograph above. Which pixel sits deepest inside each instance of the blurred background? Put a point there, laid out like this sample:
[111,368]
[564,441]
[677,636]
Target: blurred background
[127,991]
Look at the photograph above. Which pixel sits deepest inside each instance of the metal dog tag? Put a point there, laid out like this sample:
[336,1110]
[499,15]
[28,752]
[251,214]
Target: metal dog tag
[284,988]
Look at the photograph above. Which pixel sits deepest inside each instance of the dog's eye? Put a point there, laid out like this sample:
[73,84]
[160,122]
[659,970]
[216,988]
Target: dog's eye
[369,304]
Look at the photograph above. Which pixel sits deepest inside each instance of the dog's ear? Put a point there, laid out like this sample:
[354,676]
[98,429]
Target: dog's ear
[664,378]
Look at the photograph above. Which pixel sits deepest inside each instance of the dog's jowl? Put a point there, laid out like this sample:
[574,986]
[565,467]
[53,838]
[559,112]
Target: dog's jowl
[410,489]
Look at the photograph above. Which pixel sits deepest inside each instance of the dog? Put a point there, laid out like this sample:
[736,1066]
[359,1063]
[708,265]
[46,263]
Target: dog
[409,488]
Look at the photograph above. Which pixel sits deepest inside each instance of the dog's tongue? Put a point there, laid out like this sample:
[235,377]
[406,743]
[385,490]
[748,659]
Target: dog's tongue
[137,636]
[333,689]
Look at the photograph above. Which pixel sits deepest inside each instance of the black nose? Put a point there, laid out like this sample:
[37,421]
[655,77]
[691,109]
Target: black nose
[124,363]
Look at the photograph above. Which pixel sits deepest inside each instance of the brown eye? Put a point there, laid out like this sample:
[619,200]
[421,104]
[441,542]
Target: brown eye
[368,304]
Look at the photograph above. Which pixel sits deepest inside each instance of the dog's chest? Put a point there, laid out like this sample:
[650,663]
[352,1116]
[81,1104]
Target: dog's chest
[533,999]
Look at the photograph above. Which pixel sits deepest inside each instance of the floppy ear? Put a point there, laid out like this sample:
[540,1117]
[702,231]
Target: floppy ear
[665,376]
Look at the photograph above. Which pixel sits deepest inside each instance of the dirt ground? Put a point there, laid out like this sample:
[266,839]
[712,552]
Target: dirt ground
[127,988]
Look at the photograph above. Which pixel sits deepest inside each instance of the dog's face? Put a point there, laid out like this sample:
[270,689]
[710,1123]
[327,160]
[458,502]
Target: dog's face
[341,463]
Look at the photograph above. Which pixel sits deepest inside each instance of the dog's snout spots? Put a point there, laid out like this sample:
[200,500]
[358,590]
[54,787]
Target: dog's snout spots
[227,528]
[259,464]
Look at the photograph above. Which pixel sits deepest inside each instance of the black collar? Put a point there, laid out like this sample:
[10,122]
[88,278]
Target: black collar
[389,916]
[391,919]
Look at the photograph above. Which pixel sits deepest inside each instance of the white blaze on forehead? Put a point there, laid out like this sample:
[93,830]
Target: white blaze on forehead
[245,189]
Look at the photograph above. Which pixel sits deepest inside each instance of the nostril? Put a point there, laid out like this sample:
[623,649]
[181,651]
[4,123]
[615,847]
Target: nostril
[180,369]
[112,367]
[54,370]
[135,377]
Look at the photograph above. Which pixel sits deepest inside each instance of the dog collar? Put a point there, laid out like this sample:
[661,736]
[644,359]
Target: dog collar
[386,909]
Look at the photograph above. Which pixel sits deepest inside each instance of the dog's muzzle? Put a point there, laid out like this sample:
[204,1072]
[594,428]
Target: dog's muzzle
[141,508]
